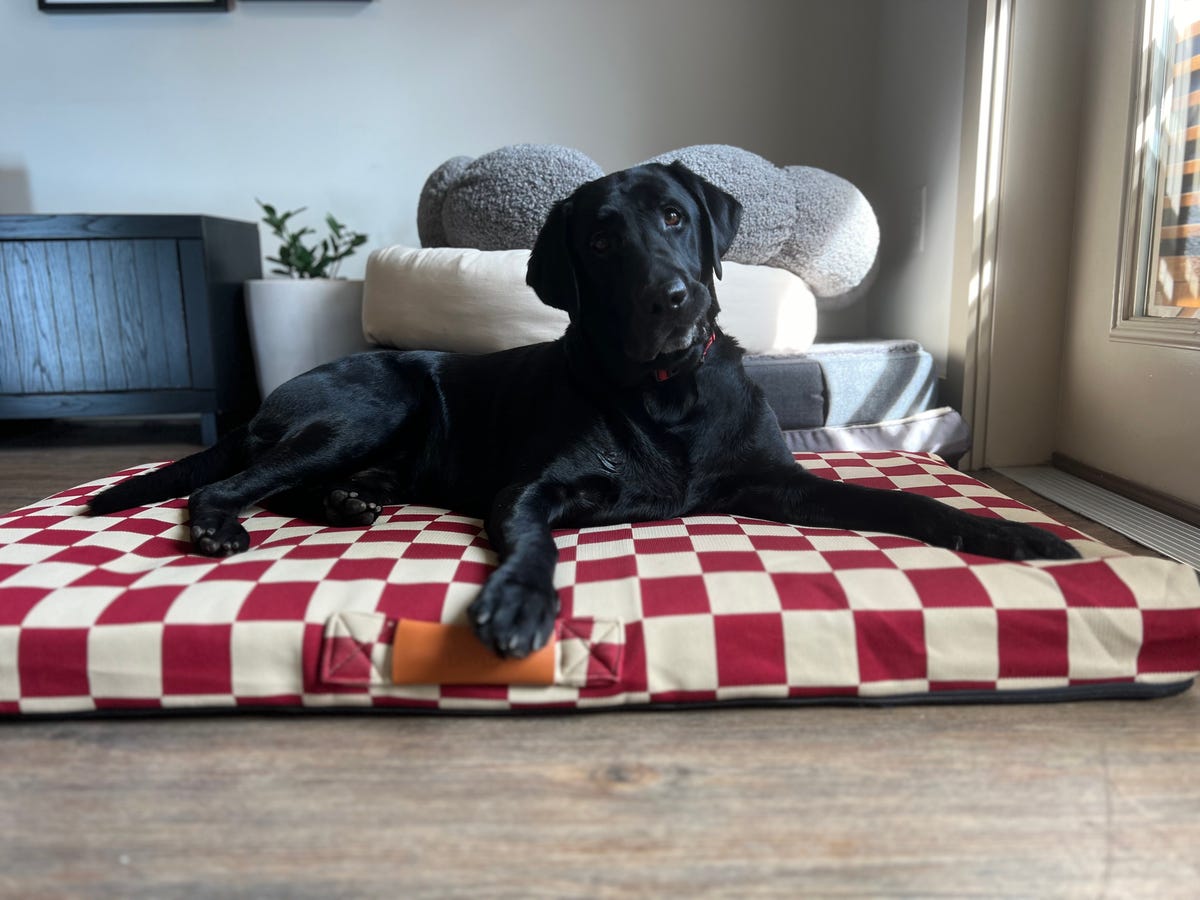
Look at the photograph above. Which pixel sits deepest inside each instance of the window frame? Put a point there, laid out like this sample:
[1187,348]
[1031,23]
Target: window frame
[1142,206]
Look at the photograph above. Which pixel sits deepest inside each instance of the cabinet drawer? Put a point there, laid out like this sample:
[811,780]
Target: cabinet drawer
[85,316]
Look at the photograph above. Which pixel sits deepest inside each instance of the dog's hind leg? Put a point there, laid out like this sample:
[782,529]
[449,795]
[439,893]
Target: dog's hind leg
[305,457]
[359,499]
[350,502]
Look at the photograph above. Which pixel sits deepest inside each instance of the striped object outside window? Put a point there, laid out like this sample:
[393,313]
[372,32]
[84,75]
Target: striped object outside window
[1177,287]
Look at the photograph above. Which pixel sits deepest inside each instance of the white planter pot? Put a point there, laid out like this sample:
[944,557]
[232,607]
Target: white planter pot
[298,323]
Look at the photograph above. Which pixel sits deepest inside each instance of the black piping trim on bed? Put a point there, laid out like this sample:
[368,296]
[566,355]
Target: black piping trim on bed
[1076,693]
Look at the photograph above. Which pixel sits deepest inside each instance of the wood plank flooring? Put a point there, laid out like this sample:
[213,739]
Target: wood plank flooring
[1083,799]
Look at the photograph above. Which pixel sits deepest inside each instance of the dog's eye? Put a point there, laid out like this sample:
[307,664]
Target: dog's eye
[672,216]
[600,242]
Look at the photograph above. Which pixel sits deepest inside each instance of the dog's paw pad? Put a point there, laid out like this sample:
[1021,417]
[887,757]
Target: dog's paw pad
[220,537]
[512,617]
[345,508]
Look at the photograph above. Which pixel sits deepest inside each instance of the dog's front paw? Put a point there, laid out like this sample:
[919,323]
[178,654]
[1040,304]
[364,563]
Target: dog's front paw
[346,508]
[1011,540]
[514,617]
[217,535]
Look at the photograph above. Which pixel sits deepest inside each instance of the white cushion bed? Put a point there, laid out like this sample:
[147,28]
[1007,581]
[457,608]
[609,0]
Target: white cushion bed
[476,301]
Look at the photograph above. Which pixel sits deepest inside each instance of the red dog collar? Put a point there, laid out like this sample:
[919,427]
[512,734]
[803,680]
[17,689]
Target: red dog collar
[663,374]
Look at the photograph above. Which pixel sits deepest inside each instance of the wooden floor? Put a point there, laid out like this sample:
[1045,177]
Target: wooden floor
[1086,799]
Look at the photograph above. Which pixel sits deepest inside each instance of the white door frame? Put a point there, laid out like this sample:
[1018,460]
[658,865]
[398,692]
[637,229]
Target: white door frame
[1016,225]
[971,326]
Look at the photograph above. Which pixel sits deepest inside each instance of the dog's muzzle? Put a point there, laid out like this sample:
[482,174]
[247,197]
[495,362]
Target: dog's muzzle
[685,362]
[668,319]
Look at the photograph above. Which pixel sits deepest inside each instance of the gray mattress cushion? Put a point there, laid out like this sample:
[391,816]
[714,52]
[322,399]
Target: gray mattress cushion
[941,431]
[851,383]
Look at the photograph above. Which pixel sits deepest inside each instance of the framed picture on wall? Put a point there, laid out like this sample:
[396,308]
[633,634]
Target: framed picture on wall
[132,5]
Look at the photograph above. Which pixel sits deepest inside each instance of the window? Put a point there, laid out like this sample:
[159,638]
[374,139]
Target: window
[1159,294]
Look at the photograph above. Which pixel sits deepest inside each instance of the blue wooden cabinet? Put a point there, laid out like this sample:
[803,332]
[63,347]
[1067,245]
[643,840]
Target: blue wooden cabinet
[126,315]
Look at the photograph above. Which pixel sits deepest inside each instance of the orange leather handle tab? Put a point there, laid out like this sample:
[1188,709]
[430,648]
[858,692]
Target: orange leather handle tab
[432,653]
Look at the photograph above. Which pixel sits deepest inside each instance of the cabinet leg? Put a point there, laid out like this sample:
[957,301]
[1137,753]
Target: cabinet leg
[208,429]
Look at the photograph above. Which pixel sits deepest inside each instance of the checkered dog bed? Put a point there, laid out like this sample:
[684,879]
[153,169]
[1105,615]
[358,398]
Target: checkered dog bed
[113,612]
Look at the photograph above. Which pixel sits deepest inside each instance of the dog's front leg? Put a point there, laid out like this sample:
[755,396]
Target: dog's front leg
[514,613]
[801,498]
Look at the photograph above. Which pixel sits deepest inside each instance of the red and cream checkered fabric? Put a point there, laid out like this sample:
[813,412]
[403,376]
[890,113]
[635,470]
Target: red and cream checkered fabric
[114,612]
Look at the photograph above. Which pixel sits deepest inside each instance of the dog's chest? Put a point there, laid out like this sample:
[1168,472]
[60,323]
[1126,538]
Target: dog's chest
[654,473]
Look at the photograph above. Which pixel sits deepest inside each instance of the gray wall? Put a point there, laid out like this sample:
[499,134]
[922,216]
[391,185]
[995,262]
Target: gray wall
[348,106]
[912,174]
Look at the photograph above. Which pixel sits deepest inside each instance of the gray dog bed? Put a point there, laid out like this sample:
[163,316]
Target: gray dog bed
[847,383]
[860,395]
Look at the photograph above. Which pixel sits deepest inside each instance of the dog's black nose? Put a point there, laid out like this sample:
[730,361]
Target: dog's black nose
[677,293]
[674,294]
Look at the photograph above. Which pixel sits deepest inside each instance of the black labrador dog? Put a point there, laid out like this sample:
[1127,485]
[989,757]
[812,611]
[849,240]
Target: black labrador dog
[640,411]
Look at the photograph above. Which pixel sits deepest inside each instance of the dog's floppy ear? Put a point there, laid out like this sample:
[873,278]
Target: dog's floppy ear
[551,272]
[722,211]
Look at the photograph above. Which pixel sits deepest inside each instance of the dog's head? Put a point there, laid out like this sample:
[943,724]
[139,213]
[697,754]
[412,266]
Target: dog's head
[631,258]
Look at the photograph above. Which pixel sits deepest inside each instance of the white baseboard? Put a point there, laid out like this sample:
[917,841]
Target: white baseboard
[1158,531]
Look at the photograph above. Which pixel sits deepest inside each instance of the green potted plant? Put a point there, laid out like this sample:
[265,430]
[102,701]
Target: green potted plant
[308,316]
